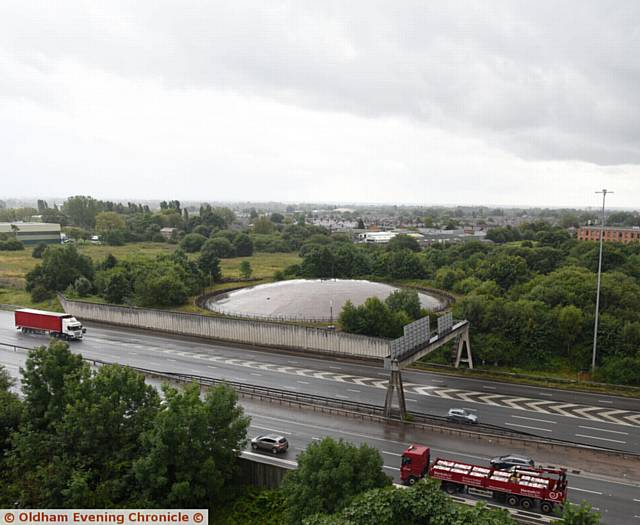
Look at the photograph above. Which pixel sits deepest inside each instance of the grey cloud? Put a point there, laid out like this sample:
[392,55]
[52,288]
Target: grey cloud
[544,80]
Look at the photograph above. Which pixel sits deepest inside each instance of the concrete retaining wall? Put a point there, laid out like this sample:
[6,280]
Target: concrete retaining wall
[243,331]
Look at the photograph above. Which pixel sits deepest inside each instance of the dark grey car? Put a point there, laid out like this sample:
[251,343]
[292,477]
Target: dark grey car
[271,442]
[512,460]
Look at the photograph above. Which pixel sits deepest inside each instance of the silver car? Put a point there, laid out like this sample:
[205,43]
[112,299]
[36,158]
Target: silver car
[460,415]
[272,442]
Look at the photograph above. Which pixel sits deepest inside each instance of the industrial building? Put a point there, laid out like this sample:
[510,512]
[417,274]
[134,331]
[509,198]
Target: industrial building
[611,234]
[30,233]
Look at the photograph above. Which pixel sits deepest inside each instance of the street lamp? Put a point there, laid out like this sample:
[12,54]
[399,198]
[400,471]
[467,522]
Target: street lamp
[595,328]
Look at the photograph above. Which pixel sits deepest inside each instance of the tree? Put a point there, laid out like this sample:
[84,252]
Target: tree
[100,435]
[114,284]
[581,514]
[81,211]
[192,242]
[10,413]
[191,451]
[277,218]
[361,225]
[60,267]
[46,378]
[245,269]
[263,225]
[405,300]
[506,270]
[111,226]
[38,251]
[163,286]
[403,242]
[243,245]
[218,247]
[82,286]
[209,264]
[329,475]
[423,503]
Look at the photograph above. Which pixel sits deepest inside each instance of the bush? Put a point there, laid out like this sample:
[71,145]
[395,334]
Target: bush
[38,251]
[243,245]
[12,245]
[203,230]
[83,286]
[192,242]
[39,293]
[218,247]
[329,475]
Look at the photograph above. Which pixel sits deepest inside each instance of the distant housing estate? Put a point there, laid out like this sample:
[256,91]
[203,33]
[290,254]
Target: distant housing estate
[611,234]
[32,232]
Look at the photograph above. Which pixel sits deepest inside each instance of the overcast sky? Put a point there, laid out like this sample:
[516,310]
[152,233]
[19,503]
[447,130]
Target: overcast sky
[522,103]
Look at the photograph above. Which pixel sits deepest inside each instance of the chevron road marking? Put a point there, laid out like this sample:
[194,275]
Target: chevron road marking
[537,406]
[559,409]
[592,413]
[513,400]
[610,413]
[634,419]
[584,412]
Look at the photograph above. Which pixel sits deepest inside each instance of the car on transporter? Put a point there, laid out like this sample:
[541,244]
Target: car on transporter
[512,460]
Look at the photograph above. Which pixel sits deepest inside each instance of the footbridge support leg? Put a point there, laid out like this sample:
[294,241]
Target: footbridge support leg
[395,384]
[464,343]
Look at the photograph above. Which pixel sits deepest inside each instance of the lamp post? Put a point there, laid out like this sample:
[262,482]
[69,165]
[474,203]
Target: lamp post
[595,328]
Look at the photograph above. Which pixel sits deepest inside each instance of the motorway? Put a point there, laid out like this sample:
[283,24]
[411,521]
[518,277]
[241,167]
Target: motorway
[507,405]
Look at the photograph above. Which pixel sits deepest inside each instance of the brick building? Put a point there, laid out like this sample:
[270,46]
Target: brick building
[611,234]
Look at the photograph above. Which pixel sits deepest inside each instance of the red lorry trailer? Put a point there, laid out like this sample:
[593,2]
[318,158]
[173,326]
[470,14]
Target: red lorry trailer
[55,324]
[524,486]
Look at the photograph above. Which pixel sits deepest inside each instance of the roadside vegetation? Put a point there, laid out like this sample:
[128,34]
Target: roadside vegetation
[530,297]
[82,438]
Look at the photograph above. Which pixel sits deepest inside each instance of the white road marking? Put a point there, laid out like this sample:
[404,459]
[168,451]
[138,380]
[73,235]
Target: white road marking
[303,382]
[257,375]
[293,362]
[585,490]
[352,390]
[605,430]
[172,360]
[391,468]
[342,397]
[544,394]
[271,429]
[535,419]
[412,400]
[601,439]
[214,367]
[532,428]
[605,401]
[391,453]
[335,367]
[490,387]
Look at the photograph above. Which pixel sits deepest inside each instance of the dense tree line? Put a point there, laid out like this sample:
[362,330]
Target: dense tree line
[165,280]
[103,439]
[381,318]
[82,438]
[531,302]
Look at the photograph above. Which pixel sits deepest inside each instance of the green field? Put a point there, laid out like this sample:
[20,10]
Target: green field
[14,266]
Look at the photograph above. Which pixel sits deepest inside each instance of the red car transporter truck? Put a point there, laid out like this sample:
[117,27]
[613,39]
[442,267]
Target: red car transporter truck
[525,486]
[64,326]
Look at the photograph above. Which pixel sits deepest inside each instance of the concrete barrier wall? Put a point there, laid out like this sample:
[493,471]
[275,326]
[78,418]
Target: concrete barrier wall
[252,332]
